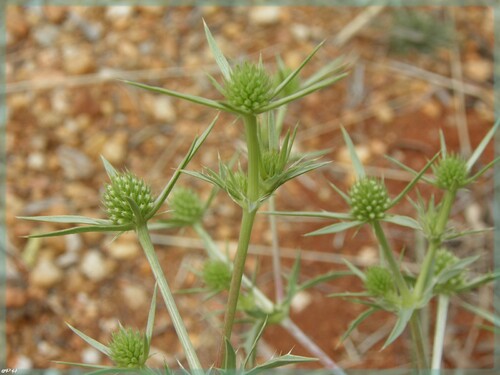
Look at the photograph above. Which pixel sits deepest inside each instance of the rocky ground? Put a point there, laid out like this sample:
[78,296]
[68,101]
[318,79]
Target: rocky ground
[66,108]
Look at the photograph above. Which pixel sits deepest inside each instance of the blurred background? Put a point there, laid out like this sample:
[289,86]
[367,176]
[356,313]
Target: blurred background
[415,71]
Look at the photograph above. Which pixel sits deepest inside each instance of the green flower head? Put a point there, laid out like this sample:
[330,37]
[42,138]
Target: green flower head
[369,199]
[187,206]
[126,185]
[129,348]
[249,88]
[379,282]
[217,275]
[444,259]
[451,173]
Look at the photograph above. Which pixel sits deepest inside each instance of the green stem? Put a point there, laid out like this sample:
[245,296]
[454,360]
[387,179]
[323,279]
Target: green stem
[437,349]
[147,245]
[418,341]
[389,257]
[435,243]
[249,211]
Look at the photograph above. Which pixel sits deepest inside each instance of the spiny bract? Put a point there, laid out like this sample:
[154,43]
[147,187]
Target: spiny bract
[187,206]
[249,88]
[123,186]
[128,348]
[369,199]
[451,173]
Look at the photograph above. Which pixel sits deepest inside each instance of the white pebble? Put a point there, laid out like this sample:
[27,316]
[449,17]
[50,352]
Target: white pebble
[265,15]
[91,356]
[94,266]
[46,274]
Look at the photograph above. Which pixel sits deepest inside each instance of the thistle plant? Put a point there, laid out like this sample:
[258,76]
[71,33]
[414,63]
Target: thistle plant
[259,98]
[442,274]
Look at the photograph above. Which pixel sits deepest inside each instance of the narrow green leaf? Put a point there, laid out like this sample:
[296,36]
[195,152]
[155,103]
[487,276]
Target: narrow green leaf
[471,232]
[89,340]
[230,355]
[443,143]
[455,269]
[490,317]
[151,315]
[293,74]
[482,146]
[293,280]
[482,170]
[327,70]
[198,141]
[319,215]
[413,182]
[404,316]
[344,196]
[259,329]
[85,229]
[355,270]
[220,59]
[110,170]
[356,163]
[478,281]
[299,94]
[66,219]
[356,322]
[284,360]
[329,276]
[349,294]
[403,221]
[86,365]
[336,228]
[191,98]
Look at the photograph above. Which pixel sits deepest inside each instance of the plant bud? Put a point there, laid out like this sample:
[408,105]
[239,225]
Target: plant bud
[122,186]
[187,206]
[250,87]
[369,199]
[444,259]
[217,275]
[128,348]
[379,282]
[451,173]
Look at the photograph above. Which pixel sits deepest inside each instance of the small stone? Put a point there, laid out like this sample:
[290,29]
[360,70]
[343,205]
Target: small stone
[123,248]
[94,266]
[78,60]
[368,255]
[265,15]
[163,109]
[119,11]
[55,14]
[75,164]
[115,149]
[15,297]
[46,35]
[300,301]
[300,32]
[36,161]
[135,297]
[480,70]
[91,356]
[473,215]
[45,274]
[23,362]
